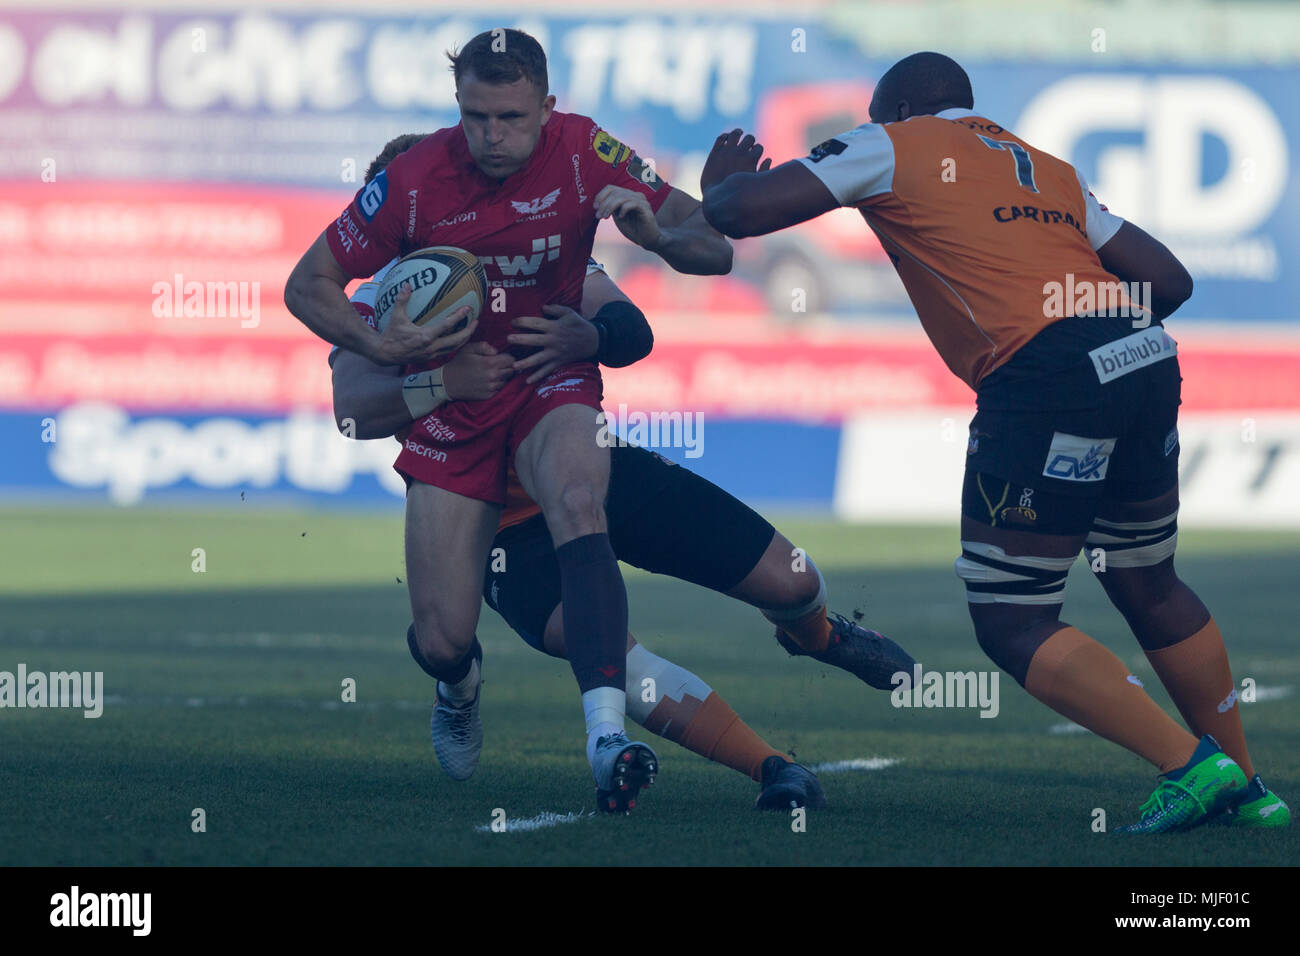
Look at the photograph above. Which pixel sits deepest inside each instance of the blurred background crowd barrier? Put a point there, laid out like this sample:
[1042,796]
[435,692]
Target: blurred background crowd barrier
[163,166]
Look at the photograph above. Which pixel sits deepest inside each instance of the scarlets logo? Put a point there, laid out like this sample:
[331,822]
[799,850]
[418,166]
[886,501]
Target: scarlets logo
[534,206]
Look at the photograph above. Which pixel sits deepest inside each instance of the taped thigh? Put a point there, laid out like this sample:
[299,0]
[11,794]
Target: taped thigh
[993,576]
[1134,544]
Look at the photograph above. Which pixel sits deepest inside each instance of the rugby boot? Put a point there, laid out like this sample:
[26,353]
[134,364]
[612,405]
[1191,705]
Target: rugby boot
[1204,787]
[621,768]
[1257,807]
[458,732]
[864,653]
[787,785]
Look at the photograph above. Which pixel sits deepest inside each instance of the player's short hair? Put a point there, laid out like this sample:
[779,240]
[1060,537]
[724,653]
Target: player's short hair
[399,144]
[502,56]
[929,82]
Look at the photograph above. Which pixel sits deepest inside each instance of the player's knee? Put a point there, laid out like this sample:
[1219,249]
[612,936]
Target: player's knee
[1139,592]
[1010,635]
[578,506]
[803,586]
[778,581]
[441,646]
[1014,601]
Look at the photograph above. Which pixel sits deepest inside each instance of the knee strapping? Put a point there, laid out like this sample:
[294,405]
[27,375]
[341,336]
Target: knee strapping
[993,576]
[1135,544]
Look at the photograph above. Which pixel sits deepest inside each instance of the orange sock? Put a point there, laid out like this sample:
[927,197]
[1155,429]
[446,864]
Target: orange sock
[1195,672]
[812,632]
[1079,679]
[713,730]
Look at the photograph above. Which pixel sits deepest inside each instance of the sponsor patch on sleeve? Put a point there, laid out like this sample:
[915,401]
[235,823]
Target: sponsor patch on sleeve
[373,196]
[608,148]
[643,173]
[830,147]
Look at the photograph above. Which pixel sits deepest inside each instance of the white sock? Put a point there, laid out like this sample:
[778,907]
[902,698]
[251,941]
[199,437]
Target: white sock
[462,692]
[605,709]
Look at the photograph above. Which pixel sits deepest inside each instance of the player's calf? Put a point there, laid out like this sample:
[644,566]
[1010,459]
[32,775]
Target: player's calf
[1175,629]
[1014,602]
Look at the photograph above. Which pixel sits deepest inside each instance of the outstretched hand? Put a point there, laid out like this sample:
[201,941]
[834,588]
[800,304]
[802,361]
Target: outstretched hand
[734,152]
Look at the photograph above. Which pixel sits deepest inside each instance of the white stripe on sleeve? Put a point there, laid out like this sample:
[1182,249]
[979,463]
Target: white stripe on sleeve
[854,165]
[1102,224]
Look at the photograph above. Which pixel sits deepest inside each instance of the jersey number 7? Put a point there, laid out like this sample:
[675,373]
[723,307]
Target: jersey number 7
[1024,164]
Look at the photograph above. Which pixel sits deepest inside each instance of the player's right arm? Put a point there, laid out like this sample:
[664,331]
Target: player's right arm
[315,294]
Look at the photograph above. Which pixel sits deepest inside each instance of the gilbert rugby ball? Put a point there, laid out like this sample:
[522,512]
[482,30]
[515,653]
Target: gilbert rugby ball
[442,279]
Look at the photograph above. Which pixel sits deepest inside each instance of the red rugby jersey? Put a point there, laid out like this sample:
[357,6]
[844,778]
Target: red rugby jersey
[533,231]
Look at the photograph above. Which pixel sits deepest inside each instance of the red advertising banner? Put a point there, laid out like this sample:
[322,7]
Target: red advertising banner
[790,378]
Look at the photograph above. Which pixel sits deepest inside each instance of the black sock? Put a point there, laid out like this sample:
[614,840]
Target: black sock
[595,612]
[452,674]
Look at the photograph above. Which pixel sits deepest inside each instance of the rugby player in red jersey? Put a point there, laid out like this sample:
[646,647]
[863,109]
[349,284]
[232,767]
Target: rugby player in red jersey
[1075,440]
[662,517]
[522,186]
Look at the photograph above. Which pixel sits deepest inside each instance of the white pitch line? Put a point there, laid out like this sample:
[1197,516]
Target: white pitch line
[1272,693]
[857,763]
[543,820]
[296,703]
[1069,727]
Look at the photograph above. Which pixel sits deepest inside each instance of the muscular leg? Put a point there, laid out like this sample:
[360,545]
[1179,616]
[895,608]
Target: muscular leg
[447,542]
[566,472]
[1174,627]
[1015,588]
[680,707]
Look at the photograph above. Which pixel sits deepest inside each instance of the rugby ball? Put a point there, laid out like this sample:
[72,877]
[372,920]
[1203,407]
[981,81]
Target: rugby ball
[442,279]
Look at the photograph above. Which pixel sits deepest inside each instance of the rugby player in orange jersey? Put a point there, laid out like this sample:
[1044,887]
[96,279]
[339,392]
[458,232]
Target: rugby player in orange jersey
[1075,439]
[662,518]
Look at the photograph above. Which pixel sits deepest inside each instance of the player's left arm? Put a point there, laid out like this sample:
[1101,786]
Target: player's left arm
[677,232]
[742,198]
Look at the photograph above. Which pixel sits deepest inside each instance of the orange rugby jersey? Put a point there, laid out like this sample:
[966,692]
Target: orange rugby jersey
[977,222]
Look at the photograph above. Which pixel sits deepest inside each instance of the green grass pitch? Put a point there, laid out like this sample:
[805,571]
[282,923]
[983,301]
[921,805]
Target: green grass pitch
[224,693]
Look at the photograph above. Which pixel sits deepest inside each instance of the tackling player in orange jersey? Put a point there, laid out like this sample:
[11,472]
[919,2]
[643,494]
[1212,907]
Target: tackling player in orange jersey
[1075,440]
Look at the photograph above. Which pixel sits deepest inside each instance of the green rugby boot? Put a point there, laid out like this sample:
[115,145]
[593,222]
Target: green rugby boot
[1189,796]
[1259,808]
